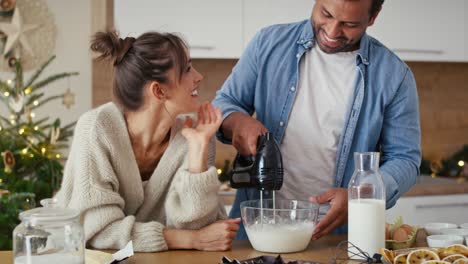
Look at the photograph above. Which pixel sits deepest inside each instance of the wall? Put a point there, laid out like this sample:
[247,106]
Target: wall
[72,19]
[443,103]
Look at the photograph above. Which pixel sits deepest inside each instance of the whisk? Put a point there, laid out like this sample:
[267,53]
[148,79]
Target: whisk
[347,252]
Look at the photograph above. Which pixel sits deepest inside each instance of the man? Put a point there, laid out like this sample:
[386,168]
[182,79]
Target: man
[325,89]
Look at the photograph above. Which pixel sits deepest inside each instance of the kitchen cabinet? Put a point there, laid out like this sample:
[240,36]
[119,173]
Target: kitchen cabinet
[212,28]
[261,13]
[423,30]
[417,30]
[419,210]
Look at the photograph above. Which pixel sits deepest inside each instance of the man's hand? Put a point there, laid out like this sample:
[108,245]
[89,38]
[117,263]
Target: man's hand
[217,236]
[338,213]
[243,131]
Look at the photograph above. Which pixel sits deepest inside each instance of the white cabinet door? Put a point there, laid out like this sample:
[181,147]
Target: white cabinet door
[262,13]
[420,210]
[212,28]
[423,30]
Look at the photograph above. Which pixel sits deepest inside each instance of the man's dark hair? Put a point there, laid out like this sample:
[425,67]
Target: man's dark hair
[375,7]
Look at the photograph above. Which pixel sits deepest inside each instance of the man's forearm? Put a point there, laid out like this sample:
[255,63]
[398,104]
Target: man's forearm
[399,176]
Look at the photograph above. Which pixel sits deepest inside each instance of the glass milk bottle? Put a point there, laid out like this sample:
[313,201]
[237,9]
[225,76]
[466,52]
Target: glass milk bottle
[366,204]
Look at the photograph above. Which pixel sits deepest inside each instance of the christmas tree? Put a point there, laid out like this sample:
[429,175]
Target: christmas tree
[30,147]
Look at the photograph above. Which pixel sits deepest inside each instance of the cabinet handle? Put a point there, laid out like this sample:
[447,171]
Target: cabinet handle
[438,206]
[419,51]
[202,47]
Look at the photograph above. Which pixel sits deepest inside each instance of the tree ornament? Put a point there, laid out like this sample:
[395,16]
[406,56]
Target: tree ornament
[6,8]
[8,160]
[16,103]
[41,40]
[7,5]
[12,61]
[68,98]
[54,135]
[15,31]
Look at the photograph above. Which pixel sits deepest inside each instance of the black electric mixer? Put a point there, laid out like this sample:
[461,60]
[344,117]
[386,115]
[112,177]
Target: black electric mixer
[263,171]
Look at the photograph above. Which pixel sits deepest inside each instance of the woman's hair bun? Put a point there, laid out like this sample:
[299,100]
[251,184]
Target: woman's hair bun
[110,45]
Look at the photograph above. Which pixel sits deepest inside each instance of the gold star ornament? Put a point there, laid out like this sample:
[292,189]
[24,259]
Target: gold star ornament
[16,32]
[68,99]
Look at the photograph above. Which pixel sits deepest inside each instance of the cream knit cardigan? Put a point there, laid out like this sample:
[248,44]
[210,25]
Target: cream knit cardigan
[103,182]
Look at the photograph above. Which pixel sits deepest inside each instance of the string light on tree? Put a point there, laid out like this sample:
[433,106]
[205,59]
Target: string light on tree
[28,90]
[461,163]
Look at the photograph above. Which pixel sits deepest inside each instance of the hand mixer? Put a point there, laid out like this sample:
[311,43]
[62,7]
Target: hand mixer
[263,171]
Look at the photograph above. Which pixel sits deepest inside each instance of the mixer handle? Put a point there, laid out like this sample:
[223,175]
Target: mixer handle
[240,174]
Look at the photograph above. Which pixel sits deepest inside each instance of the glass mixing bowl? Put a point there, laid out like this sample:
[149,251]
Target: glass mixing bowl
[286,228]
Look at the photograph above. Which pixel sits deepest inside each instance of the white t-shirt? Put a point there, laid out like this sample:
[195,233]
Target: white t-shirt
[326,85]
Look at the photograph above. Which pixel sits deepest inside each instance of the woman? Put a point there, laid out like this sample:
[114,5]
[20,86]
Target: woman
[131,172]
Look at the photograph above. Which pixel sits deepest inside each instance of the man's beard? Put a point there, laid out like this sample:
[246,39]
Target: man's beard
[345,46]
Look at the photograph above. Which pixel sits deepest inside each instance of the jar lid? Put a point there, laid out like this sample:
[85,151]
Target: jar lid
[43,215]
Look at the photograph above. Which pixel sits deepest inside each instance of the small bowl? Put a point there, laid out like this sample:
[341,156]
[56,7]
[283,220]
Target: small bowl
[436,228]
[455,231]
[444,240]
[464,226]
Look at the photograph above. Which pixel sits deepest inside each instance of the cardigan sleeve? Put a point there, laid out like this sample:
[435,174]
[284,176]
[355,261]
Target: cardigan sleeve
[91,186]
[193,201]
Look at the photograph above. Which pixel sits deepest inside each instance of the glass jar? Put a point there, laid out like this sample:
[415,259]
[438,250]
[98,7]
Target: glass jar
[49,235]
[366,205]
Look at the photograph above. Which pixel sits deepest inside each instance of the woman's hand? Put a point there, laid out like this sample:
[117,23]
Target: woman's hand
[217,236]
[198,138]
[209,120]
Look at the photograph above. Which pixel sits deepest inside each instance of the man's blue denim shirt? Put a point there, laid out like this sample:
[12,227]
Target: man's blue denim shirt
[383,115]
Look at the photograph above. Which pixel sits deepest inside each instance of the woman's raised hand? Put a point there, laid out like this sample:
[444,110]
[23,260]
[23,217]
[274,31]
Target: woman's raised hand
[209,120]
[198,138]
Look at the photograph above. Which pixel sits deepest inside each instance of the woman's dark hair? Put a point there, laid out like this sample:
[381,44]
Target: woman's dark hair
[138,61]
